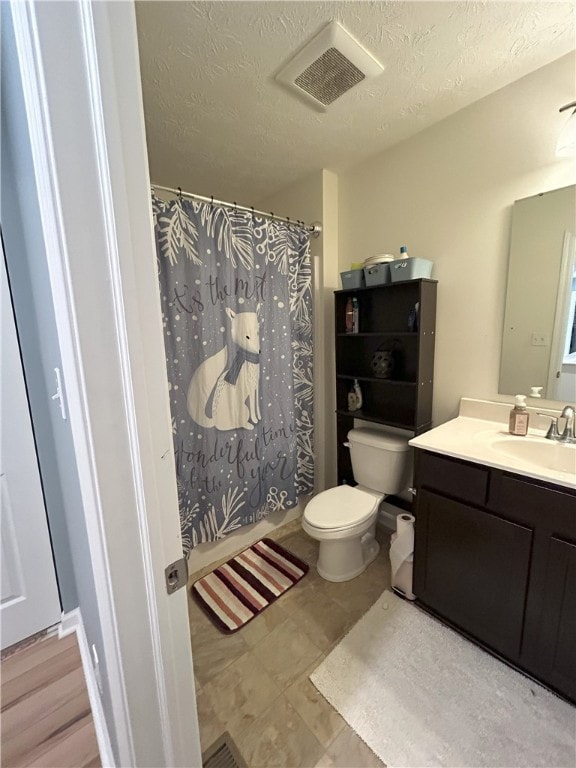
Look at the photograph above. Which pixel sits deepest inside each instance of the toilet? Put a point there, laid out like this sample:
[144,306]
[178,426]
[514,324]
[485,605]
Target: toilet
[343,519]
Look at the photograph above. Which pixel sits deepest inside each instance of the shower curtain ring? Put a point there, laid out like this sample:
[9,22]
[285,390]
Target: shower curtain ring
[211,201]
[180,193]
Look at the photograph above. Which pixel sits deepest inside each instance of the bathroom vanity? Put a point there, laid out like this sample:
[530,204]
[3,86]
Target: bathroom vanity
[495,545]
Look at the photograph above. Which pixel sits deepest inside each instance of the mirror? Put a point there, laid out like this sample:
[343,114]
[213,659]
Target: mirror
[539,338]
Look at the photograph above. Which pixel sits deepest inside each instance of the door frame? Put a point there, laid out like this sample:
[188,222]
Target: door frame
[81,83]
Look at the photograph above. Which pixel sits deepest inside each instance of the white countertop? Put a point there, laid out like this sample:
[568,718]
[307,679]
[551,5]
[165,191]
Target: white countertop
[487,441]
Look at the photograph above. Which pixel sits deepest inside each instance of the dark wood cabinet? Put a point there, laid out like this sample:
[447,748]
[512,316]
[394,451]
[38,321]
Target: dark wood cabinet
[549,644]
[495,556]
[477,567]
[395,318]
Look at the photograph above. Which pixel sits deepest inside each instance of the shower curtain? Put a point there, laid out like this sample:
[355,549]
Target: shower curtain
[237,314]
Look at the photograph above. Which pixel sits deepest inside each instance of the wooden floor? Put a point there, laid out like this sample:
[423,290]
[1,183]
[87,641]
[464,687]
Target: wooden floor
[46,719]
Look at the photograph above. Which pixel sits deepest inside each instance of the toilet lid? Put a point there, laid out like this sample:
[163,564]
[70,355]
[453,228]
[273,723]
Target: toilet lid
[339,507]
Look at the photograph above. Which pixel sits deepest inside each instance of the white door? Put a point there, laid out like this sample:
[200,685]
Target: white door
[29,593]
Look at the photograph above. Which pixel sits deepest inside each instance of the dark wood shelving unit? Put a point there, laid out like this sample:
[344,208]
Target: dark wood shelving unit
[405,399]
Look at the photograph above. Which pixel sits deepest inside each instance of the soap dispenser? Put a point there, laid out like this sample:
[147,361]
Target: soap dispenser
[519,416]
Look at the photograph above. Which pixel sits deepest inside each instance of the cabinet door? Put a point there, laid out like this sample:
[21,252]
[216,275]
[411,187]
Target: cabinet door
[472,568]
[552,642]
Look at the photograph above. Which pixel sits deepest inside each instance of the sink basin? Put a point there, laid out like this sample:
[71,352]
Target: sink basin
[538,451]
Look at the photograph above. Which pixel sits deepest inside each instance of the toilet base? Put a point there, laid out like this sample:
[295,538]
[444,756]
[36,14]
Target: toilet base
[344,559]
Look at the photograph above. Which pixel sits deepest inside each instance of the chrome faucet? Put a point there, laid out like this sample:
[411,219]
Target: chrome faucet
[552,433]
[568,435]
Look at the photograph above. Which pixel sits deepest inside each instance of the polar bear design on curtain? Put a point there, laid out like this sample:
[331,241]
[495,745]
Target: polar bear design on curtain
[226,395]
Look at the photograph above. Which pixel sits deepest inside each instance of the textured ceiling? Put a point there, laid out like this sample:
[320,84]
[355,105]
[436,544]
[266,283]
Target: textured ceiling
[218,124]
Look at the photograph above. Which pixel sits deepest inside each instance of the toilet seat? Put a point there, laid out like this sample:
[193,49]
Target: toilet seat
[340,508]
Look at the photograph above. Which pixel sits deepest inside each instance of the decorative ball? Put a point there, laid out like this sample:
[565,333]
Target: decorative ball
[382,364]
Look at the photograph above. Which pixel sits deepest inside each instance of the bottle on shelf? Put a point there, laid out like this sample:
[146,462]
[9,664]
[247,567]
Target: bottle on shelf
[349,316]
[404,252]
[352,399]
[413,317]
[358,393]
[355,315]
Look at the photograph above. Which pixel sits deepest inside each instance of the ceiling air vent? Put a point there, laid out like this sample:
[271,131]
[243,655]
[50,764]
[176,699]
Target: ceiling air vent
[331,64]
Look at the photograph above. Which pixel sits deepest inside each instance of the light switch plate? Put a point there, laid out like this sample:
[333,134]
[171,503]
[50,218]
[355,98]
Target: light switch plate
[539,340]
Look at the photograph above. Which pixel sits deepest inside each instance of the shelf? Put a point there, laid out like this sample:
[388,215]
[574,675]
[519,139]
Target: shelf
[387,285]
[378,333]
[403,401]
[378,380]
[377,419]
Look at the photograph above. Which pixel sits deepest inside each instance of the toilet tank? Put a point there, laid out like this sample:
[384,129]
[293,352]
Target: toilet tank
[381,461]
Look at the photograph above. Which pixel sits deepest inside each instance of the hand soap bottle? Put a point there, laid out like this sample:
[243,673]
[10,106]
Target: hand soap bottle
[519,416]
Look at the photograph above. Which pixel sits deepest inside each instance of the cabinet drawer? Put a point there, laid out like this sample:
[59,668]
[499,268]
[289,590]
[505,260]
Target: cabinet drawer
[460,480]
[551,508]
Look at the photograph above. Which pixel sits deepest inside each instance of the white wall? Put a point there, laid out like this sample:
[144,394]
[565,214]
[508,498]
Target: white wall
[448,194]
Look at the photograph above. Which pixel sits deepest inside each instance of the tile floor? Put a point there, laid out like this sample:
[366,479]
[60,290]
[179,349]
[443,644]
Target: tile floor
[255,683]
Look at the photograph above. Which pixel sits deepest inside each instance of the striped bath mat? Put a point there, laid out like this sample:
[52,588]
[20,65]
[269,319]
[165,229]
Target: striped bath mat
[236,592]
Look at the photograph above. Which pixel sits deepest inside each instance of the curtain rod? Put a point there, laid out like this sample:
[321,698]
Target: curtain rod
[314,229]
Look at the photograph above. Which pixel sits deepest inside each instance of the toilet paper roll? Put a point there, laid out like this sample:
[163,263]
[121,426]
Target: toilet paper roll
[402,547]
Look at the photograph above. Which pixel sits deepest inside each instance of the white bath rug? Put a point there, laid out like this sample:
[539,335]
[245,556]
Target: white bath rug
[420,695]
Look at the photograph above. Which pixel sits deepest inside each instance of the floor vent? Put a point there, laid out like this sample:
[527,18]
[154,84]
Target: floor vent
[223,754]
[330,65]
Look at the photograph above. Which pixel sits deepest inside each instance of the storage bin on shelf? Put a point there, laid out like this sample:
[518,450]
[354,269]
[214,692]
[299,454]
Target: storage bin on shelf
[353,278]
[377,269]
[377,274]
[412,268]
